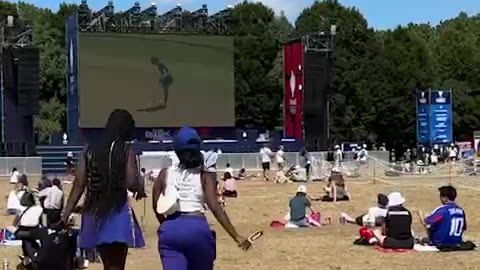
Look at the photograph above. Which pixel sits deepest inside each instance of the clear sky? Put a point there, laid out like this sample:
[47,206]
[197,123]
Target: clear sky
[381,14]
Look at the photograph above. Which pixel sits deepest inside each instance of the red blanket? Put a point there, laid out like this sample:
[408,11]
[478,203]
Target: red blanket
[389,250]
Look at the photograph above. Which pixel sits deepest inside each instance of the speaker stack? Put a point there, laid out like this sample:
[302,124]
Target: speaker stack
[308,68]
[20,99]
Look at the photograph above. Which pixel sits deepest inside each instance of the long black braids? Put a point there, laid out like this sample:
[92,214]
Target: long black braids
[106,166]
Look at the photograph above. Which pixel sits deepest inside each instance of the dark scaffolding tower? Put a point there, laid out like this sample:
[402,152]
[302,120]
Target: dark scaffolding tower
[319,62]
[19,87]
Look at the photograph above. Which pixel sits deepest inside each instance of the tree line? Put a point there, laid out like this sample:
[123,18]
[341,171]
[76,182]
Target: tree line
[376,71]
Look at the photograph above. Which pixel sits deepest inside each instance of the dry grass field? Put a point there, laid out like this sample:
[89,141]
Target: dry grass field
[329,247]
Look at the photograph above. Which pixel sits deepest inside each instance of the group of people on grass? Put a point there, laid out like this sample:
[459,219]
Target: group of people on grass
[35,210]
[295,173]
[108,177]
[389,223]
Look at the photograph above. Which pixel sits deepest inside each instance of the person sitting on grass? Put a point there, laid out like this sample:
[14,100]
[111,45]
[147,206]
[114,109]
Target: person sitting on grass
[298,206]
[447,223]
[396,232]
[336,189]
[52,202]
[14,206]
[242,174]
[281,178]
[375,216]
[27,223]
[229,186]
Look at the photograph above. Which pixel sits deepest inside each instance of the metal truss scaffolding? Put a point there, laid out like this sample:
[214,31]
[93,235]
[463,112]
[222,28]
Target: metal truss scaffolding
[175,20]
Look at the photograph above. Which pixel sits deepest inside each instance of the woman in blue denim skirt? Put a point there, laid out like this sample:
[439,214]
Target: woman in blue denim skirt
[107,170]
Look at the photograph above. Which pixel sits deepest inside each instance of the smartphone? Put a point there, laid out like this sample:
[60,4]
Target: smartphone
[254,237]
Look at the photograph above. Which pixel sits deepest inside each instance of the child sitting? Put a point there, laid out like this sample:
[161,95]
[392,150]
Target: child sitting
[280,178]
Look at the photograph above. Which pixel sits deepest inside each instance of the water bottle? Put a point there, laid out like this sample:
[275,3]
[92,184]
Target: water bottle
[5,264]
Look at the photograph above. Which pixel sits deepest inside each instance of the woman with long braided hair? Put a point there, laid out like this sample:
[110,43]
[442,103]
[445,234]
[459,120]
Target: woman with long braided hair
[107,171]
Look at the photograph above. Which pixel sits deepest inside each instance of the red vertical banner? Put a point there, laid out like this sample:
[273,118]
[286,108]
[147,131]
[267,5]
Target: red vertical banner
[293,90]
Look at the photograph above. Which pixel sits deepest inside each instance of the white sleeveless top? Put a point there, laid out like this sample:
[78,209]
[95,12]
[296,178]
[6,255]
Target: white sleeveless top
[189,187]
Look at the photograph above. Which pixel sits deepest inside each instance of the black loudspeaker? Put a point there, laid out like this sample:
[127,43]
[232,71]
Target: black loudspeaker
[3,149]
[27,62]
[9,69]
[317,82]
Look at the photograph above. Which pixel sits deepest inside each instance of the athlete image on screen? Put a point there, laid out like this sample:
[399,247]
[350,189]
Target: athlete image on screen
[165,81]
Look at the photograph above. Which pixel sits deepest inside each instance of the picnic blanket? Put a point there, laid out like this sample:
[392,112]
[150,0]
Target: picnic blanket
[390,250]
[313,220]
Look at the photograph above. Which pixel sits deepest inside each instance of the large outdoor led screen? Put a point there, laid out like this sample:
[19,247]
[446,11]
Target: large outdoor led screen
[163,80]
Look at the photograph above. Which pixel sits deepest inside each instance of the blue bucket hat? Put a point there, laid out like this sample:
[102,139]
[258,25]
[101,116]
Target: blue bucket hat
[187,139]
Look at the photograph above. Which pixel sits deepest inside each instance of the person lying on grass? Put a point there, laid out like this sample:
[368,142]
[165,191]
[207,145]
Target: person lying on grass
[375,216]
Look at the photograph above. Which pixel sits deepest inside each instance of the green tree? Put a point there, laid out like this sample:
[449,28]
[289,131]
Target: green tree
[357,68]
[458,58]
[48,121]
[7,8]
[409,67]
[258,96]
[51,40]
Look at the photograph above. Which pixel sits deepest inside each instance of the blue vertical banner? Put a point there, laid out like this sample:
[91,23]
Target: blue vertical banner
[441,127]
[423,117]
[72,77]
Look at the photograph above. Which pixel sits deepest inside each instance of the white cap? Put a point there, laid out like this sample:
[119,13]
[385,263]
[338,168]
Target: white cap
[364,146]
[337,146]
[395,199]
[69,154]
[302,189]
[336,169]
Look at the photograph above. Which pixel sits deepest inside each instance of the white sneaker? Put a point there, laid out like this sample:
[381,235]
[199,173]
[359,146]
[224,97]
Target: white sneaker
[85,264]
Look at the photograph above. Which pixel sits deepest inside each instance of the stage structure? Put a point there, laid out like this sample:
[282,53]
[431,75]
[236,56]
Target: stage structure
[20,88]
[308,74]
[151,20]
[179,37]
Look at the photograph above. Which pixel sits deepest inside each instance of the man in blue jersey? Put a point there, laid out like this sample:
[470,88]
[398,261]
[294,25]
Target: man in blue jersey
[447,223]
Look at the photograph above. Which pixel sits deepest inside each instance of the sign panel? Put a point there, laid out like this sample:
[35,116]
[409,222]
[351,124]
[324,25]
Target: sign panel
[423,117]
[441,116]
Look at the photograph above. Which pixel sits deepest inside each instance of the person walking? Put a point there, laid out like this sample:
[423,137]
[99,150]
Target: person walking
[185,241]
[107,170]
[266,157]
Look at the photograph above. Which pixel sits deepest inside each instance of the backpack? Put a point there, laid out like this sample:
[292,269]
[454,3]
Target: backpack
[57,252]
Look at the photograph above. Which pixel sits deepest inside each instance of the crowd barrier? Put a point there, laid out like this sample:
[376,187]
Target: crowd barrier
[27,165]
[376,167]
[251,161]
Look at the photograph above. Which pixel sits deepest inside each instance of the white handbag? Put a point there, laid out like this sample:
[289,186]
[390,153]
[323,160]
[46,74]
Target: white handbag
[167,202]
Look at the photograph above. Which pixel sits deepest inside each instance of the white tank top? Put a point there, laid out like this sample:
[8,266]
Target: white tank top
[189,186]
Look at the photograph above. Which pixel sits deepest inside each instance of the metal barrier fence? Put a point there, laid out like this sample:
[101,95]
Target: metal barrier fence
[249,161]
[26,165]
